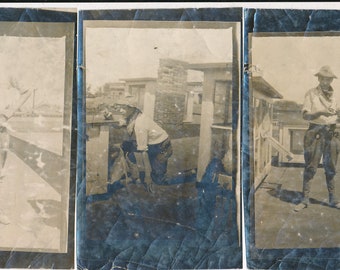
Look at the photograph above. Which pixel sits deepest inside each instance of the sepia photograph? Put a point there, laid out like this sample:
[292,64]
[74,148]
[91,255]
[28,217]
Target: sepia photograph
[35,135]
[294,110]
[162,185]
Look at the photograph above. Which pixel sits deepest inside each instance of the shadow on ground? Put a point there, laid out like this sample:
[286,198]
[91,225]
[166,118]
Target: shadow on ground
[182,225]
[290,196]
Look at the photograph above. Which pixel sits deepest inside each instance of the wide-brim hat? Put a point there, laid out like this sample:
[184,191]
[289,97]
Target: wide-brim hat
[326,71]
[128,105]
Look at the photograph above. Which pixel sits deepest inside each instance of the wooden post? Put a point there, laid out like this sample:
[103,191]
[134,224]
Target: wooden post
[207,117]
[189,107]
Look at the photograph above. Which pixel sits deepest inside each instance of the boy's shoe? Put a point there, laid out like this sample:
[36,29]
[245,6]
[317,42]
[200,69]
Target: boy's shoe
[334,204]
[302,205]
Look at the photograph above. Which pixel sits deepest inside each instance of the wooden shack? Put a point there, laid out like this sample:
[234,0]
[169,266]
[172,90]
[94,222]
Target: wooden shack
[261,111]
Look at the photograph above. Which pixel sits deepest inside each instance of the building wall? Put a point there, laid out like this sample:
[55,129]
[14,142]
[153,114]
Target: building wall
[172,75]
[170,95]
[169,108]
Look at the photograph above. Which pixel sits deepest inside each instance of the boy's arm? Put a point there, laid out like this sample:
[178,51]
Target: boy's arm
[311,116]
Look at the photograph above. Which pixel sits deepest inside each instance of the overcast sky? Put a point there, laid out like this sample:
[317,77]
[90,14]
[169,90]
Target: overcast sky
[34,63]
[115,53]
[289,63]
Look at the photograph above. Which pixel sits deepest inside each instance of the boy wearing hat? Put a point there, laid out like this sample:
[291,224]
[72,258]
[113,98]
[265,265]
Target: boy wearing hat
[150,141]
[320,110]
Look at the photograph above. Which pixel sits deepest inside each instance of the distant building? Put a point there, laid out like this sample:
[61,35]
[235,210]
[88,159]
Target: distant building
[142,92]
[291,129]
[286,111]
[114,90]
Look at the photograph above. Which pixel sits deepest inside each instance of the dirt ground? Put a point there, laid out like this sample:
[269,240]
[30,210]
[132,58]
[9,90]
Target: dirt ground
[277,225]
[179,226]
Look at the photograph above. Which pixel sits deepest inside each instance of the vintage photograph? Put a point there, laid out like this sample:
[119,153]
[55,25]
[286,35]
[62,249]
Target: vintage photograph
[294,121]
[162,142]
[35,135]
